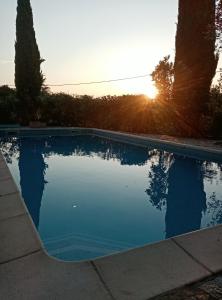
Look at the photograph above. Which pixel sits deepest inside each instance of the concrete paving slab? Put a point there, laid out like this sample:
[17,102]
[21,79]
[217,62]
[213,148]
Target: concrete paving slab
[38,277]
[2,162]
[4,173]
[205,246]
[18,238]
[11,206]
[7,186]
[149,271]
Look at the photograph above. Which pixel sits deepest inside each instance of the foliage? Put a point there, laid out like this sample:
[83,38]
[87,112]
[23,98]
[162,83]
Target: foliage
[163,77]
[8,105]
[128,113]
[28,76]
[219,23]
[215,109]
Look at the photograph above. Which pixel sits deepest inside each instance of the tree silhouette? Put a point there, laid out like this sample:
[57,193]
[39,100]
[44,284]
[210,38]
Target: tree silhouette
[195,61]
[28,76]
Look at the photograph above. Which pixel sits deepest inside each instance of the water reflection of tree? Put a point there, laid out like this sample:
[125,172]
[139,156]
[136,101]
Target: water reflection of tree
[126,154]
[215,210]
[176,183]
[106,149]
[171,185]
[210,170]
[9,148]
[32,172]
[213,172]
[31,152]
[186,199]
[158,175]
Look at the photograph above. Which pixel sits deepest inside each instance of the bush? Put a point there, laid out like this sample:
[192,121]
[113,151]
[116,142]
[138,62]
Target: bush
[8,105]
[129,113]
[216,129]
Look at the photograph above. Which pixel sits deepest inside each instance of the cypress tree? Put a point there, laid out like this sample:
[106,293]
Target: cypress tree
[195,61]
[28,76]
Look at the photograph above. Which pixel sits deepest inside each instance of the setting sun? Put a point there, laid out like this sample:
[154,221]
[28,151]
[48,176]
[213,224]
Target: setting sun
[131,61]
[138,86]
[151,92]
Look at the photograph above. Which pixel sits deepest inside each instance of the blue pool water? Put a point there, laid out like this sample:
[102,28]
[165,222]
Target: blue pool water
[91,197]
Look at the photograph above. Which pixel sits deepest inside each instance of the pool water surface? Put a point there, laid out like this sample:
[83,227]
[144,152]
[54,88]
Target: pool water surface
[91,197]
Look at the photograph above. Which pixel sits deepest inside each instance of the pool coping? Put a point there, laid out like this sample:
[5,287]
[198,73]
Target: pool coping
[28,272]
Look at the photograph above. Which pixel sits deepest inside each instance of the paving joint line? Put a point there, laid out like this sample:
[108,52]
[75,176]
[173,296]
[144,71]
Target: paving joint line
[102,280]
[12,217]
[192,257]
[20,257]
[9,194]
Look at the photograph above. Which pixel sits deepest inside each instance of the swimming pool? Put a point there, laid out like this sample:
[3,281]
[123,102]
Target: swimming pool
[89,196]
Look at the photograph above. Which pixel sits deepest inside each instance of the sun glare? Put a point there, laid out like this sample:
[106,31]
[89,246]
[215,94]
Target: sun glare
[151,92]
[132,60]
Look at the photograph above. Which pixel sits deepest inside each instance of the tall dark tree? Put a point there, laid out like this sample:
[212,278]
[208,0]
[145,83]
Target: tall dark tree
[28,76]
[195,61]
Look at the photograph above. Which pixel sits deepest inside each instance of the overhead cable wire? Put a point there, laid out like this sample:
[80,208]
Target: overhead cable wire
[93,82]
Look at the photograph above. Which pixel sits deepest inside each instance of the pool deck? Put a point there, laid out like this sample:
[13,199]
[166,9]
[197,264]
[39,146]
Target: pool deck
[27,272]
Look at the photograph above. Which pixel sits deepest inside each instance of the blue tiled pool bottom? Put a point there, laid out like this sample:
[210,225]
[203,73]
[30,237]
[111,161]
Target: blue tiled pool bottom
[91,197]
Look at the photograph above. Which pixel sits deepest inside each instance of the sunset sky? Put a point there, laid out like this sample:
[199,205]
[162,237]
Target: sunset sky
[93,40]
